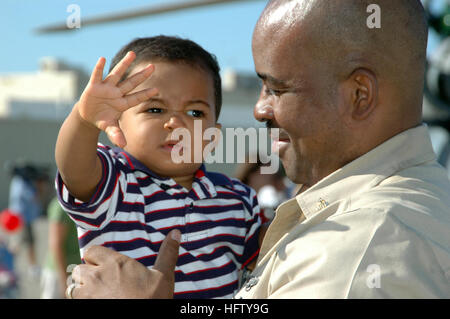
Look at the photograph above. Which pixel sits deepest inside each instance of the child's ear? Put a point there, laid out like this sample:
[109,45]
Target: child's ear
[218,126]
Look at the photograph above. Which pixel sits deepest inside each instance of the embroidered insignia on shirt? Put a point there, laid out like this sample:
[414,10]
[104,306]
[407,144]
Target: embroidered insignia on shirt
[321,204]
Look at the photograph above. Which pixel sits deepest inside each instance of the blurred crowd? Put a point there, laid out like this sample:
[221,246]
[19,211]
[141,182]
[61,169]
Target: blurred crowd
[31,198]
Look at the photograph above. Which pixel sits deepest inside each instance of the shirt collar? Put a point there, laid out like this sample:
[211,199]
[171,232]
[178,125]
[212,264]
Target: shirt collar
[409,148]
[207,181]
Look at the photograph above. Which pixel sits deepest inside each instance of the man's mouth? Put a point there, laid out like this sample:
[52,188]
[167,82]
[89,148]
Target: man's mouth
[280,141]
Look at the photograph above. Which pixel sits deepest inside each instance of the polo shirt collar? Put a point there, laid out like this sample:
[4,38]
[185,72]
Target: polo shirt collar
[409,148]
[206,181]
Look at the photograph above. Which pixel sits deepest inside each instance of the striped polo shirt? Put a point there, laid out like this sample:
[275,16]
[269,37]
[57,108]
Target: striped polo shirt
[133,209]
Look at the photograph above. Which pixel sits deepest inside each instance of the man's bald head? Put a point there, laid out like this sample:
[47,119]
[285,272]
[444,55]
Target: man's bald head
[341,39]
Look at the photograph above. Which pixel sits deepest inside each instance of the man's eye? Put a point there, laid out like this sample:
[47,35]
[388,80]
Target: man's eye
[154,110]
[196,113]
[273,92]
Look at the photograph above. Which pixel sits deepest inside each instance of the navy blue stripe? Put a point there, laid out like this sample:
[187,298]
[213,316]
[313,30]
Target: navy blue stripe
[98,220]
[170,212]
[132,244]
[251,246]
[206,274]
[218,209]
[210,224]
[210,293]
[216,239]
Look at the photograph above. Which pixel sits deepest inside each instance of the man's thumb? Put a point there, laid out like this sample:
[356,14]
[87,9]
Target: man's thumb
[168,254]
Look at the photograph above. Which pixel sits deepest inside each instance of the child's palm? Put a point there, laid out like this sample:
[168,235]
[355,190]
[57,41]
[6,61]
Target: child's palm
[103,101]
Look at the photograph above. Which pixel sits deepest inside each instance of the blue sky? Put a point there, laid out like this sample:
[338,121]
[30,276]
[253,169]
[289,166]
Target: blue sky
[224,30]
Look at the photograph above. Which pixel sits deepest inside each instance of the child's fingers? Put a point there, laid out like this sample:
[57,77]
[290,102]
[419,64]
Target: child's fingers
[133,81]
[116,136]
[131,100]
[139,97]
[97,73]
[119,70]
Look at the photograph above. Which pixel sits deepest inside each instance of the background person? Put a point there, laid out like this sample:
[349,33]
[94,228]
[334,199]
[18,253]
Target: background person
[29,189]
[63,251]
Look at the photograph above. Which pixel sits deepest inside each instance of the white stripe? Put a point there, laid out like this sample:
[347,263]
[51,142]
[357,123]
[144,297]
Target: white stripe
[206,283]
[198,190]
[217,202]
[203,265]
[198,217]
[165,204]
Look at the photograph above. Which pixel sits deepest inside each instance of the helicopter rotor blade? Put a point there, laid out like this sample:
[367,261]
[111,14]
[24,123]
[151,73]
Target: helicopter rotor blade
[141,12]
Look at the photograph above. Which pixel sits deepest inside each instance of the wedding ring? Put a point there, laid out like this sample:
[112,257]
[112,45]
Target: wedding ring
[69,291]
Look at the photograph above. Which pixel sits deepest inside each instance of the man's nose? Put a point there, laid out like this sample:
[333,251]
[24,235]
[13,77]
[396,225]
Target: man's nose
[263,112]
[173,122]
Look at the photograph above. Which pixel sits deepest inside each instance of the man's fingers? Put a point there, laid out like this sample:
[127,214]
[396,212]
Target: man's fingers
[97,73]
[79,273]
[97,255]
[133,81]
[168,254]
[119,70]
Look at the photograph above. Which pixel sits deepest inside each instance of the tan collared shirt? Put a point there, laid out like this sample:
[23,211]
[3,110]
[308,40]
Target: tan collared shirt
[377,228]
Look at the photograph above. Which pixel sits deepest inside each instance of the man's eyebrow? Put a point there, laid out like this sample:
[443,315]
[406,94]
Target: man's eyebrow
[271,79]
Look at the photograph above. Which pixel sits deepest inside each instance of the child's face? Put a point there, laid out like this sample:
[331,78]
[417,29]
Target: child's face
[185,94]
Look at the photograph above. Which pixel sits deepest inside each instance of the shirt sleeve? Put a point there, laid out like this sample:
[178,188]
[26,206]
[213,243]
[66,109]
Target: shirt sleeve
[100,209]
[253,224]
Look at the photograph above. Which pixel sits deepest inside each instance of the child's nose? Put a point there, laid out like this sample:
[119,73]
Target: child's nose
[173,122]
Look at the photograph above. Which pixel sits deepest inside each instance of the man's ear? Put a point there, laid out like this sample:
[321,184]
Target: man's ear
[364,93]
[358,96]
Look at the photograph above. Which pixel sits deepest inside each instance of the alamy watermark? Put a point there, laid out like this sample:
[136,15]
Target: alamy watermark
[74,19]
[191,149]
[374,19]
[374,278]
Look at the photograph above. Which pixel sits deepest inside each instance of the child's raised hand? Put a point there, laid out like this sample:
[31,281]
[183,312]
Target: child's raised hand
[104,100]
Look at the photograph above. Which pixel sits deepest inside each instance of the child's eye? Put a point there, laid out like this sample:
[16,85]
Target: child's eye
[196,113]
[154,110]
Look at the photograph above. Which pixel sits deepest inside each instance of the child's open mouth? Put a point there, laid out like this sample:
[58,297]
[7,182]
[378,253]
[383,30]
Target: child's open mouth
[172,146]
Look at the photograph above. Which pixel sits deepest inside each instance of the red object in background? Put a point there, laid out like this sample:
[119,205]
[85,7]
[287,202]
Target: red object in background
[10,220]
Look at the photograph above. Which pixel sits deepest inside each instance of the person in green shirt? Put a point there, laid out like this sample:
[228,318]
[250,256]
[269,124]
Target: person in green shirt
[63,251]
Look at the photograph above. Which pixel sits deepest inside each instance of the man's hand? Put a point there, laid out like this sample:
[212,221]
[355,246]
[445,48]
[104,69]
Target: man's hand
[109,274]
[104,100]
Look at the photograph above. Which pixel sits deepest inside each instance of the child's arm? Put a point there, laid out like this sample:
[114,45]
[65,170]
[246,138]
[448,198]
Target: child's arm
[98,109]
